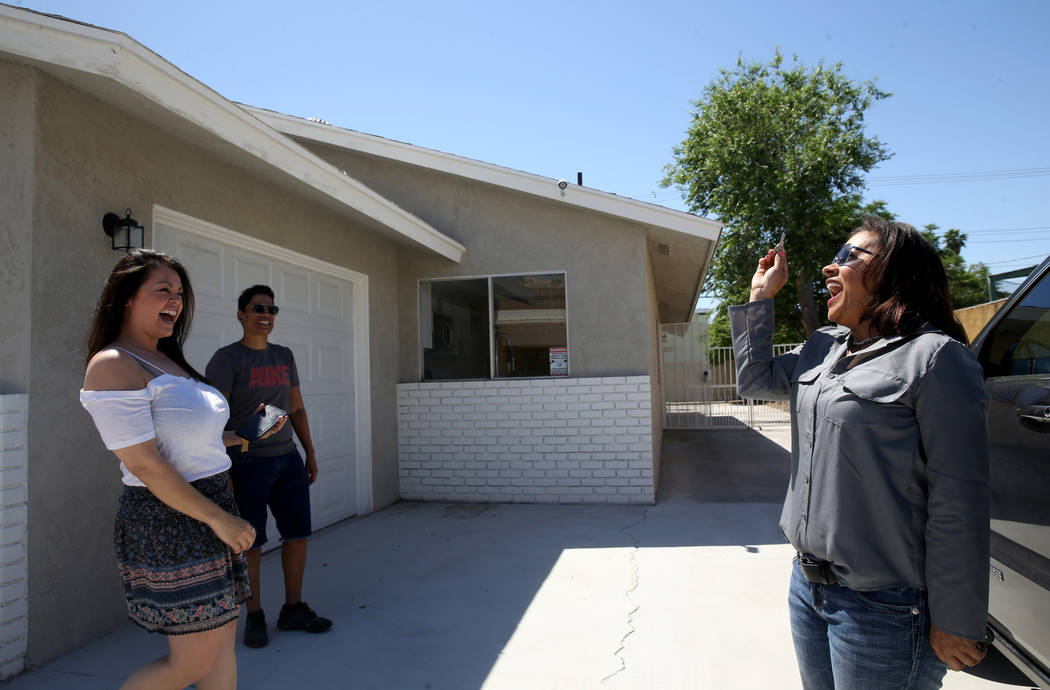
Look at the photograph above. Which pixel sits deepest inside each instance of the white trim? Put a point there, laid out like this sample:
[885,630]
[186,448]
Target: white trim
[546,187]
[182,221]
[568,330]
[492,328]
[117,57]
[703,276]
[362,366]
[479,276]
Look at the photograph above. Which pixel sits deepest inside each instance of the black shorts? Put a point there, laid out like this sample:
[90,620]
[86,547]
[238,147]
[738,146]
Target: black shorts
[277,481]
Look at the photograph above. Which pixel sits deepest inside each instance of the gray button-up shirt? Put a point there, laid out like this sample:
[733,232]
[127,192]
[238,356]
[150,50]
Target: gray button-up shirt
[889,459]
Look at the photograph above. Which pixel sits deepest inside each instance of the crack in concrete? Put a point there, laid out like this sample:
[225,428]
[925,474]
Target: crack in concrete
[627,595]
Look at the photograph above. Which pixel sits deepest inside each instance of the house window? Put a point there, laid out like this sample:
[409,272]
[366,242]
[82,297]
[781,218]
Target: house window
[455,329]
[529,315]
[495,327]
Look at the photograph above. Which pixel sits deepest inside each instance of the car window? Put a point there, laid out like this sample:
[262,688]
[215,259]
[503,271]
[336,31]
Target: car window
[1020,343]
[1015,355]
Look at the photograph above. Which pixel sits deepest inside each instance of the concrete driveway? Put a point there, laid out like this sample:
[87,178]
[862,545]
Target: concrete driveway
[689,593]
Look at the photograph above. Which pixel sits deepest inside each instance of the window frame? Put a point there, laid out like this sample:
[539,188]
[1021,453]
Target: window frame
[488,277]
[986,340]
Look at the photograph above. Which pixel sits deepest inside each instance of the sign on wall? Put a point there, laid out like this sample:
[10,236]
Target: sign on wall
[559,357]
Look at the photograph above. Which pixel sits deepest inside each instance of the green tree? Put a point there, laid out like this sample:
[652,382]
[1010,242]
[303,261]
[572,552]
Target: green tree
[772,149]
[954,240]
[967,285]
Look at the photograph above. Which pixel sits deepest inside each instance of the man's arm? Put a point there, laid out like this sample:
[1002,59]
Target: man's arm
[297,415]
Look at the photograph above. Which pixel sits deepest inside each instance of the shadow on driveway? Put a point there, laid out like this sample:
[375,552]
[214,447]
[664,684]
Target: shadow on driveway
[428,595]
[731,466]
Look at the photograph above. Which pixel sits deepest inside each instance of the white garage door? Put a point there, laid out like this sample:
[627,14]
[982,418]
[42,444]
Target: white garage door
[316,322]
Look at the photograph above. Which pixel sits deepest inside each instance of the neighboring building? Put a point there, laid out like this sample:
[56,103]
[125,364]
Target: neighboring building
[975,318]
[464,331]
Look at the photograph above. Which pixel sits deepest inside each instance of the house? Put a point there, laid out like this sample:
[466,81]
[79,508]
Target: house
[976,317]
[463,331]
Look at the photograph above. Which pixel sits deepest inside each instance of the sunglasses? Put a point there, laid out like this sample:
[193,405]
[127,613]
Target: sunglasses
[270,309]
[847,255]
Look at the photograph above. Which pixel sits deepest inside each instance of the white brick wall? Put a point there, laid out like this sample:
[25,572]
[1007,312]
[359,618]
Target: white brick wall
[13,569]
[527,441]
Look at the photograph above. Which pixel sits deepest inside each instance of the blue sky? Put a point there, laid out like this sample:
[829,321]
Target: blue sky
[606,88]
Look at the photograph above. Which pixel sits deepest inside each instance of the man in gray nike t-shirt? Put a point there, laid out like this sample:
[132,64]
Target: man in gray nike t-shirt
[269,472]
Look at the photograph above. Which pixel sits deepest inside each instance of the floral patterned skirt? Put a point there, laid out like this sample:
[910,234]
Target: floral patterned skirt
[178,576]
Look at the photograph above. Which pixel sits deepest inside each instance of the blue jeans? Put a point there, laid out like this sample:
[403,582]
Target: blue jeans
[853,640]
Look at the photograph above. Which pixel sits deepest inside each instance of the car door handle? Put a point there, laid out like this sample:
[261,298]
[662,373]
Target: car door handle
[1035,413]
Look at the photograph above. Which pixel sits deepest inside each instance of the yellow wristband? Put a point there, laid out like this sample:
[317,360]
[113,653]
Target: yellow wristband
[244,444]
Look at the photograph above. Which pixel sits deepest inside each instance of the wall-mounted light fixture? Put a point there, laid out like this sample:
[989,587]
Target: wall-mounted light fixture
[126,232]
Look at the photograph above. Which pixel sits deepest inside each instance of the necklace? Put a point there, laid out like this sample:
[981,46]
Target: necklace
[862,343]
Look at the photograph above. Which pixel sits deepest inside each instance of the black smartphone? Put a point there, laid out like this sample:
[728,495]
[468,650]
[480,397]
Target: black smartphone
[261,422]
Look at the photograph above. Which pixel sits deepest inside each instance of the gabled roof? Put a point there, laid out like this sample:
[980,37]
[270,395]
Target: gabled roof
[547,187]
[681,245]
[116,68]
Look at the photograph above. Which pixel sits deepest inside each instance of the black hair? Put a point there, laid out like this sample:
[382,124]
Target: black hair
[908,282]
[248,293]
[124,281]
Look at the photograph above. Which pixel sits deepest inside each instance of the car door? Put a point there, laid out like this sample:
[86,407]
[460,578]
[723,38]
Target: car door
[1014,351]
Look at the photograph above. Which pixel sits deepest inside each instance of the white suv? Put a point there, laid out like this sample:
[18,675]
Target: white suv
[1014,350]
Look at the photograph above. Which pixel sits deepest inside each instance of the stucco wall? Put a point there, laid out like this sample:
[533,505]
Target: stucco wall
[92,158]
[507,232]
[17,171]
[656,406]
[17,154]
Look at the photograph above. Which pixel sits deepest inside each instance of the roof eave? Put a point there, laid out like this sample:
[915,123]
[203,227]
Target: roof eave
[113,55]
[546,187]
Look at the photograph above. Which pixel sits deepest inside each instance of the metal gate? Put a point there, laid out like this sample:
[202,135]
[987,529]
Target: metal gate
[699,383]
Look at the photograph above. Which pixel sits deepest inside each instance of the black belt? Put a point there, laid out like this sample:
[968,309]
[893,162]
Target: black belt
[817,571]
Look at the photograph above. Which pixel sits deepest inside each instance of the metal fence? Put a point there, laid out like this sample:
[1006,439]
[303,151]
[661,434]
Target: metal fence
[699,383]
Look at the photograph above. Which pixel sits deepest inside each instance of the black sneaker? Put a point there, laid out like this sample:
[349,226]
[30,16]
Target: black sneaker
[301,617]
[255,634]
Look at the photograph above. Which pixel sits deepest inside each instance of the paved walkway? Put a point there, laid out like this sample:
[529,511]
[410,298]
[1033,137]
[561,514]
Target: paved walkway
[689,593]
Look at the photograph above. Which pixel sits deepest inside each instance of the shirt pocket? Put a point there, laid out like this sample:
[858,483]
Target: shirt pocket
[802,386]
[870,397]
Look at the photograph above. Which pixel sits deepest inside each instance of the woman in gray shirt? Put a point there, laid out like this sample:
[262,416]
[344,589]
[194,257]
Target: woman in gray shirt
[888,500]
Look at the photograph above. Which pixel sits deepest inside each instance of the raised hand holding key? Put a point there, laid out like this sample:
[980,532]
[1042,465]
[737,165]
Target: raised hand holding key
[771,274]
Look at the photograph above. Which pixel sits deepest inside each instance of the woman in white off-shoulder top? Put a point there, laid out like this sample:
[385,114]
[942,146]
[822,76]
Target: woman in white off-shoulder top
[179,540]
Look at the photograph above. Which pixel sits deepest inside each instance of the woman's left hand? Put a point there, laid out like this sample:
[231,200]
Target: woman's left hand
[235,532]
[956,652]
[770,275]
